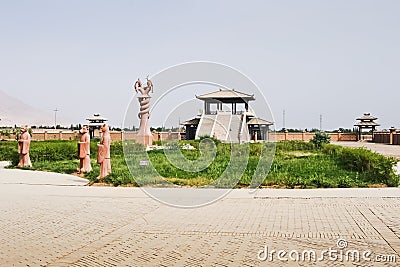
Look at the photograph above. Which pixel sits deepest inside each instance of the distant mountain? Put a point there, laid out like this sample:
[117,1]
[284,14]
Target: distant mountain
[15,112]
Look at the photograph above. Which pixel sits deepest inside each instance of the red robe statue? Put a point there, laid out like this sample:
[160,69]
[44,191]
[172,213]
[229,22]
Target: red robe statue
[103,156]
[84,151]
[23,148]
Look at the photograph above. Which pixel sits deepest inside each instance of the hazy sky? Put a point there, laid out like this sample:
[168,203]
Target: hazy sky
[335,58]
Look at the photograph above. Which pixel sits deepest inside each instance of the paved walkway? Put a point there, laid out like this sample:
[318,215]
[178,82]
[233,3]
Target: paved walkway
[54,220]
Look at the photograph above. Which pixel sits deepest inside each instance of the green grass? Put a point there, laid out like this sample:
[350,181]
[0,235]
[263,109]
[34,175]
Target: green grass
[296,164]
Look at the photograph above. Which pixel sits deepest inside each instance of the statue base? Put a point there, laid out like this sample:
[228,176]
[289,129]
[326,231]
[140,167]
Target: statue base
[146,140]
[144,135]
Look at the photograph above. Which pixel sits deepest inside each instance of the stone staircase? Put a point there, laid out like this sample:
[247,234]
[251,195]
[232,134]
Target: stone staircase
[224,126]
[234,129]
[221,127]
[206,125]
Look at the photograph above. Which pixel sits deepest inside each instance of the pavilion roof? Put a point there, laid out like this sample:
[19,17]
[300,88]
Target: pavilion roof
[259,121]
[367,117]
[194,121]
[223,94]
[366,124]
[97,117]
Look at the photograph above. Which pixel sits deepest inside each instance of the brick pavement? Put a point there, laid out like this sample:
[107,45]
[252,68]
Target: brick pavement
[53,220]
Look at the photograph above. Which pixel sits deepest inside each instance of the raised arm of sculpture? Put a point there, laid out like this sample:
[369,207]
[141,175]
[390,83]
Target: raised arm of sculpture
[138,86]
[149,86]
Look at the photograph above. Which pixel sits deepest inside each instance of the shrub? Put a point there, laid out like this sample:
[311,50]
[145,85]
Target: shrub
[320,138]
[9,152]
[377,167]
[115,148]
[5,132]
[53,151]
[157,143]
[332,150]
[215,140]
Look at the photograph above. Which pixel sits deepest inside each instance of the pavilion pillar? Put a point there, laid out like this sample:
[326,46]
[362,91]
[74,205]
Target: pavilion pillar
[392,131]
[373,130]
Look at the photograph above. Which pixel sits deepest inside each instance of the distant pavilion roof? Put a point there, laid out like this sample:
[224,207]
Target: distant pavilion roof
[96,120]
[367,117]
[367,121]
[259,121]
[226,94]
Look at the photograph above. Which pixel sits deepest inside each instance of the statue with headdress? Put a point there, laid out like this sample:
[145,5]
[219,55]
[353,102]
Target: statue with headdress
[24,142]
[103,152]
[84,150]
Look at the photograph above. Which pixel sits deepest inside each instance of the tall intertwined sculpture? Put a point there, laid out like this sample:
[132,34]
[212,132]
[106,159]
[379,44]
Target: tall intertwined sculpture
[144,133]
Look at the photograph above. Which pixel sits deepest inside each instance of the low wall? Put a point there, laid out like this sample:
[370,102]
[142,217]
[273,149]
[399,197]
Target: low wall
[306,137]
[391,137]
[11,137]
[55,135]
[382,137]
[396,139]
[42,135]
[156,136]
[115,135]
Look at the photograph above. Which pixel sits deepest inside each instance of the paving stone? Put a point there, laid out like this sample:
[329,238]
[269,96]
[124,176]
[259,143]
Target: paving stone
[73,225]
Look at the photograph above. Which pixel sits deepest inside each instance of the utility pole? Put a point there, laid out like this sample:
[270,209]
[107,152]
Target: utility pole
[320,122]
[284,118]
[55,118]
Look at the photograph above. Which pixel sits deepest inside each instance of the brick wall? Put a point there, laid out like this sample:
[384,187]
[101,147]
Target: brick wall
[306,137]
[382,137]
[3,137]
[116,136]
[156,136]
[346,137]
[41,135]
[391,137]
[396,139]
